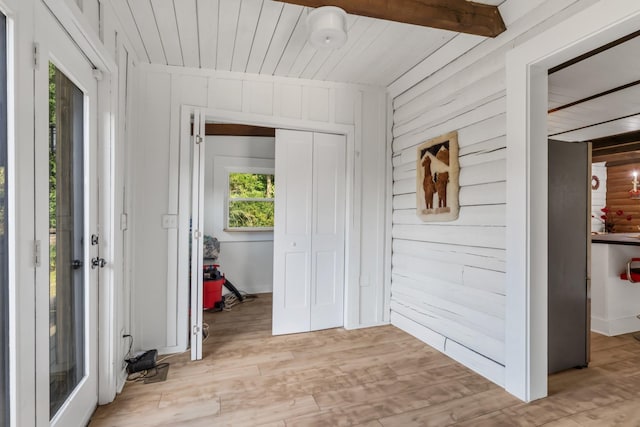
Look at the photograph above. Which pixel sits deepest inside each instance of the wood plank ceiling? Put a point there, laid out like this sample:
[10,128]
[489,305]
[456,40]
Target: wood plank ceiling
[597,97]
[269,37]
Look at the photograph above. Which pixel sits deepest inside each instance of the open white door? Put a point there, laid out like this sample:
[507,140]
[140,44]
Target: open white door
[197,234]
[66,226]
[308,259]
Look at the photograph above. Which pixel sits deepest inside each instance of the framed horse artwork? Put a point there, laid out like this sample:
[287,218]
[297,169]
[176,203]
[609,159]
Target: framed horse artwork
[437,179]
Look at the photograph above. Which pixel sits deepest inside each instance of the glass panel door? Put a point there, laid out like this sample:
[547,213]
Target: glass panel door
[66,218]
[66,243]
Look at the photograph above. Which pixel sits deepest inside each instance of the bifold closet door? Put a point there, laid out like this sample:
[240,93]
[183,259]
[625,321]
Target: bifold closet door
[292,232]
[327,231]
[308,286]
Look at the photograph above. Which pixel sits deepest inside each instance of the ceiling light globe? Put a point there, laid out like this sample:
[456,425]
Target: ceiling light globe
[327,27]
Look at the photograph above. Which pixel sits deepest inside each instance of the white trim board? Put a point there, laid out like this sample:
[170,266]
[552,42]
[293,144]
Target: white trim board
[489,369]
[527,86]
[352,226]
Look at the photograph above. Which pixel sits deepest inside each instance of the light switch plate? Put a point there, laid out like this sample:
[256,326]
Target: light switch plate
[169,221]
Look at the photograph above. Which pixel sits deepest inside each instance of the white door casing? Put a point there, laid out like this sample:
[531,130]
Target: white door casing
[527,246]
[197,234]
[308,285]
[54,46]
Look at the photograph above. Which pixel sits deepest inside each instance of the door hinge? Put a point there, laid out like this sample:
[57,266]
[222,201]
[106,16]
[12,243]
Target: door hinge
[36,253]
[36,56]
[196,329]
[198,139]
[94,239]
[197,234]
[97,74]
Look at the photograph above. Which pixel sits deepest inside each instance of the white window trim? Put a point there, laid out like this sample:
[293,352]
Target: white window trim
[252,170]
[222,166]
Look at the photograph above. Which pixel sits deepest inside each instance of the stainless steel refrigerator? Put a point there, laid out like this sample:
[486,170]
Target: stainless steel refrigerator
[569,254]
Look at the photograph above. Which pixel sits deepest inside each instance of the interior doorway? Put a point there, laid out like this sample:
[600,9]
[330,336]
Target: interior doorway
[527,248]
[231,163]
[239,205]
[584,110]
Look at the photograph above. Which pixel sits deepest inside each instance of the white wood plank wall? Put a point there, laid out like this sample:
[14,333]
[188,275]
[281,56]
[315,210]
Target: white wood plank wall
[599,196]
[448,279]
[160,289]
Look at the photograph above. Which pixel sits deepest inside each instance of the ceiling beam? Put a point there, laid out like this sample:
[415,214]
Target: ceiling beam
[616,149]
[615,140]
[231,129]
[624,147]
[621,162]
[455,15]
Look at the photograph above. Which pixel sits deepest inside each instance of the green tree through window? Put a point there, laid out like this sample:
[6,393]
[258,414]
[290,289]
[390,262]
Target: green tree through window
[251,200]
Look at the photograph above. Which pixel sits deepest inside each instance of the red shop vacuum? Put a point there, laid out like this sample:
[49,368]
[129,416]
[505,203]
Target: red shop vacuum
[212,283]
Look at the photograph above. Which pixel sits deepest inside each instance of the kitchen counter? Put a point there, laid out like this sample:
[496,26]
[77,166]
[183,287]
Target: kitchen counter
[615,303]
[617,238]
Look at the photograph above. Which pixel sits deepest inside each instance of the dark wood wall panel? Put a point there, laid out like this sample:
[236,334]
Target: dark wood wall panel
[618,186]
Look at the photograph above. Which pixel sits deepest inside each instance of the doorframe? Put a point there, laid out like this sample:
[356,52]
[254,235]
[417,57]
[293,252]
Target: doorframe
[353,184]
[11,199]
[527,102]
[77,25]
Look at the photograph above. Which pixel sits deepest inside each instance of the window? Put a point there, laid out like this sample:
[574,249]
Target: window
[4,231]
[250,204]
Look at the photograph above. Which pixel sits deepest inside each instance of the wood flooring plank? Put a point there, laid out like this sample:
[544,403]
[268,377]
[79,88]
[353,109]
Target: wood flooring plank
[452,411]
[152,416]
[535,413]
[493,419]
[563,422]
[372,423]
[625,413]
[251,417]
[338,417]
[369,377]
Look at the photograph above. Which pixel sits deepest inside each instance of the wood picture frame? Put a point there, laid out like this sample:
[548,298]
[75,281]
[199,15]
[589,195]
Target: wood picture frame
[437,179]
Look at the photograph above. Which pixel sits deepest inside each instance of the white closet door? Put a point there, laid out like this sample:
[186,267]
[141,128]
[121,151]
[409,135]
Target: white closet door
[327,239]
[308,282]
[292,234]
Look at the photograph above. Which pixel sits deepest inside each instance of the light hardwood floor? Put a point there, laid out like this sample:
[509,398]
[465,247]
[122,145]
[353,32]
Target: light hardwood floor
[369,377]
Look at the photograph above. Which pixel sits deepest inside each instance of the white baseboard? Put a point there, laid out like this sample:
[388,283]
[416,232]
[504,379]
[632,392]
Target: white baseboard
[171,350]
[252,289]
[599,326]
[613,327]
[489,369]
[366,325]
[121,380]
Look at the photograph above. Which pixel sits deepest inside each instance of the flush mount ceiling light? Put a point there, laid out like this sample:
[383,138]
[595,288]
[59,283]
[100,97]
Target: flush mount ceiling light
[327,27]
